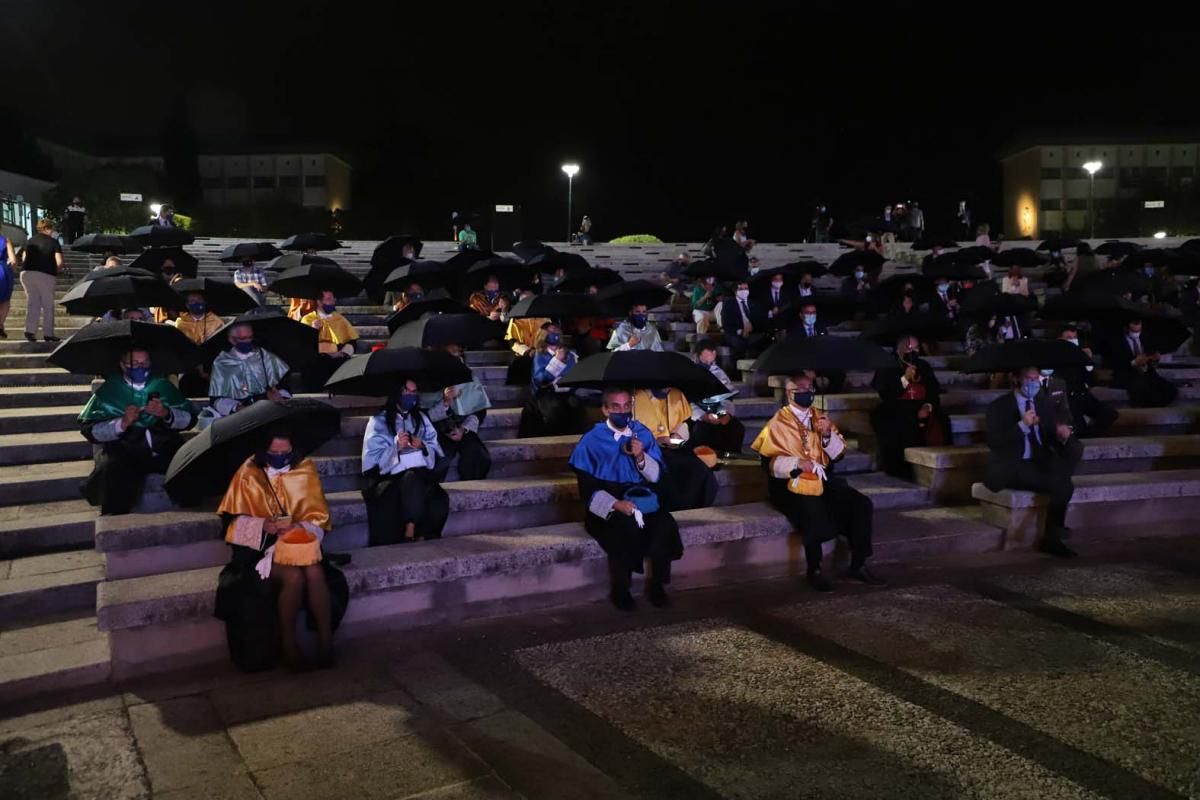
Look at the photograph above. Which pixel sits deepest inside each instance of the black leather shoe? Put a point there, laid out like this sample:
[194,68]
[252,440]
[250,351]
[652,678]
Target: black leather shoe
[819,582]
[1057,548]
[622,599]
[864,575]
[657,596]
[52,339]
[29,337]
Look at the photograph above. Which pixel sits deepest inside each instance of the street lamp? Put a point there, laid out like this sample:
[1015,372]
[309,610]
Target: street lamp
[1092,168]
[155,209]
[572,170]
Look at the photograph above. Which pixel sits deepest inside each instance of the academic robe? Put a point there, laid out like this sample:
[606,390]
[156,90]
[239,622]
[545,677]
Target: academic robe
[124,458]
[399,486]
[466,412]
[522,335]
[605,473]
[729,437]
[895,420]
[246,600]
[197,330]
[335,334]
[479,302]
[691,483]
[242,379]
[648,335]
[300,307]
[551,410]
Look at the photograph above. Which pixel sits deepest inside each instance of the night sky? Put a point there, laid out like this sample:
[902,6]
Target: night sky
[682,115]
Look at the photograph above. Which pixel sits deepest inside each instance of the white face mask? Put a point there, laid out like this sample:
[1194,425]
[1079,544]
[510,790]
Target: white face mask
[742,294]
[1135,335]
[777,286]
[1072,341]
[943,288]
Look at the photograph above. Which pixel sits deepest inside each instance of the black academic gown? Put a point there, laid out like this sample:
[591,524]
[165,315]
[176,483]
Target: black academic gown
[895,420]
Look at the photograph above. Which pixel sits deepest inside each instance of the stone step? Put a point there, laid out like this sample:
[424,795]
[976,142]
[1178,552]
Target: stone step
[163,621]
[41,528]
[1169,420]
[33,587]
[40,376]
[54,655]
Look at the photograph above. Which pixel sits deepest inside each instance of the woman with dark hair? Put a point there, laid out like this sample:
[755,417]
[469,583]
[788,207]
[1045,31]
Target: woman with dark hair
[276,516]
[400,451]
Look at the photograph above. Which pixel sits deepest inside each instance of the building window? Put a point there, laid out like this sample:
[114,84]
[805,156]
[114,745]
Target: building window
[1051,173]
[1077,204]
[1184,172]
[312,181]
[289,181]
[238,182]
[312,162]
[1074,172]
[262,163]
[1156,175]
[264,182]
[1049,204]
[210,182]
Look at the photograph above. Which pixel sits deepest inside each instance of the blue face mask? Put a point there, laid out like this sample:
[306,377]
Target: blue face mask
[197,309]
[638,320]
[661,394]
[619,420]
[858,276]
[810,319]
[277,460]
[244,347]
[1031,388]
[408,402]
[492,294]
[553,338]
[415,296]
[329,309]
[802,399]
[139,374]
[1149,271]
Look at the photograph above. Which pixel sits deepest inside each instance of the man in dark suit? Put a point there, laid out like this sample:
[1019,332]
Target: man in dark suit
[857,287]
[808,325]
[1134,369]
[944,302]
[909,413]
[742,322]
[1092,416]
[774,297]
[1032,448]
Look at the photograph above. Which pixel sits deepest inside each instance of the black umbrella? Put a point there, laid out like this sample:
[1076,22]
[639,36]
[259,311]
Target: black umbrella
[1021,353]
[620,297]
[727,250]
[1156,256]
[954,271]
[556,306]
[551,261]
[1185,262]
[845,264]
[1191,246]
[985,304]
[461,262]
[273,330]
[796,354]
[597,276]
[729,270]
[1163,329]
[831,309]
[106,243]
[644,369]
[1056,245]
[312,278]
[221,296]
[529,250]
[427,274]
[975,254]
[381,373]
[511,274]
[122,287]
[161,236]
[310,241]
[258,251]
[926,327]
[387,256]
[1019,257]
[928,242]
[292,260]
[205,463]
[437,302]
[152,260]
[1117,249]
[438,330]
[889,293]
[97,348]
[1108,282]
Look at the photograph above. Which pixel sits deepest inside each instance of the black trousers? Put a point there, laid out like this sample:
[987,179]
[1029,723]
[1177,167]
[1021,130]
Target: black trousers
[1050,476]
[727,438]
[474,460]
[1092,416]
[689,482]
[318,370]
[551,413]
[841,510]
[1149,389]
[629,546]
[393,501]
[120,471]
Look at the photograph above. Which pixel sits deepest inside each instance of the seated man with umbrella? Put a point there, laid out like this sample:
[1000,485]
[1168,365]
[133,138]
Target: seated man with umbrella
[204,299]
[1134,354]
[551,410]
[666,413]
[909,413]
[634,298]
[489,301]
[336,339]
[251,369]
[713,422]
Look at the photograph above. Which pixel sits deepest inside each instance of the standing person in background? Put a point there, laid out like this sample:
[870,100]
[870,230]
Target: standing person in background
[983,236]
[585,230]
[822,225]
[916,222]
[467,238]
[741,236]
[166,217]
[964,221]
[710,247]
[74,220]
[8,280]
[41,260]
[252,280]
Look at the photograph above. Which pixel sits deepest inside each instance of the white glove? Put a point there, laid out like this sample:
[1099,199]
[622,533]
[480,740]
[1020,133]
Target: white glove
[263,567]
[638,518]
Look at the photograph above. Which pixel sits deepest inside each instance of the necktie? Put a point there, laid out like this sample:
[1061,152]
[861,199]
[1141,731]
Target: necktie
[745,311]
[808,331]
[1029,436]
[1135,345]
[774,298]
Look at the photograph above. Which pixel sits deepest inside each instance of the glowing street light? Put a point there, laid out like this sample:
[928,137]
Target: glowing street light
[571,170]
[155,209]
[1092,168]
[1160,235]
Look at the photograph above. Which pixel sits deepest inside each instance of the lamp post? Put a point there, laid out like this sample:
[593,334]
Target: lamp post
[1092,168]
[572,170]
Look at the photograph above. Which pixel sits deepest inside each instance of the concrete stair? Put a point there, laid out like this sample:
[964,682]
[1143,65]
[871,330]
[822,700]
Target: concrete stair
[57,653]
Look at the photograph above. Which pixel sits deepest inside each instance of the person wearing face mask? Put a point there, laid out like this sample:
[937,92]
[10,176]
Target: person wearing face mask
[197,323]
[273,499]
[1092,416]
[636,332]
[857,287]
[172,275]
[909,413]
[414,293]
[400,451]
[945,300]
[774,296]
[666,413]
[522,334]
[807,324]
[1014,282]
[743,323]
[456,413]
[713,423]
[704,300]
[799,446]
[243,374]
[490,302]
[1033,449]
[135,419]
[806,288]
[619,467]
[336,339]
[1134,360]
[551,410]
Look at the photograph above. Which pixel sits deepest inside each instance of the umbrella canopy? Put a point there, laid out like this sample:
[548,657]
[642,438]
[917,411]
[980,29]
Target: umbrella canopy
[644,369]
[796,354]
[1021,353]
[1191,246]
[107,289]
[831,309]
[106,243]
[152,260]
[926,327]
[258,251]
[1185,262]
[551,261]
[985,304]
[729,270]
[206,463]
[929,242]
[387,256]
[1019,257]
[1108,282]
[273,330]
[556,306]
[161,236]
[310,241]
[889,293]
[845,264]
[597,276]
[438,330]
[954,271]
[529,250]
[1054,245]
[14,233]
[381,373]
[221,295]
[1156,256]
[428,274]
[511,273]
[437,302]
[620,297]
[791,273]
[288,261]
[975,254]
[1163,329]
[97,348]
[461,262]
[727,250]
[1117,249]
[313,277]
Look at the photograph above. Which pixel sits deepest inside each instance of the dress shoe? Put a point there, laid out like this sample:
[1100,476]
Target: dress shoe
[819,582]
[864,575]
[54,339]
[1056,547]
[657,596]
[622,599]
[29,337]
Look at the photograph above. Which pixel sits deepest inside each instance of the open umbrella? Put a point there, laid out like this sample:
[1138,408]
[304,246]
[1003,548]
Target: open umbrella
[928,242]
[121,287]
[427,274]
[1185,262]
[889,293]
[1021,353]
[152,260]
[161,236]
[796,354]
[205,463]
[954,271]
[1117,249]
[1191,246]
[988,304]
[511,274]
[437,302]
[273,330]
[530,249]
[1151,256]
[380,374]
[620,297]
[844,265]
[313,277]
[310,241]
[1019,257]
[926,327]
[597,276]
[386,257]
[100,243]
[97,348]
[551,261]
[831,308]
[288,261]
[729,251]
[461,262]
[1107,282]
[1055,245]
[221,296]
[729,270]
[556,306]
[1163,329]
[258,251]
[643,369]
[438,330]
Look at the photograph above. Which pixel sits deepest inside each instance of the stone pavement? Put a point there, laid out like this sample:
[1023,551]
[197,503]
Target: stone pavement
[997,676]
